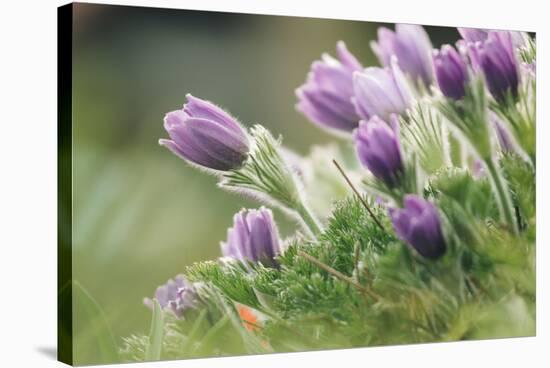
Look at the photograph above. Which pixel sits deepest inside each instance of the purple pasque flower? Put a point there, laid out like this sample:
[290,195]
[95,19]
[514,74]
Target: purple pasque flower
[411,46]
[378,149]
[381,92]
[205,135]
[473,34]
[451,72]
[177,296]
[325,98]
[418,225]
[254,237]
[496,58]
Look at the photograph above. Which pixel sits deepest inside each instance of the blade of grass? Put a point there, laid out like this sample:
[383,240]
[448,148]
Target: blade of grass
[96,319]
[157,333]
[198,326]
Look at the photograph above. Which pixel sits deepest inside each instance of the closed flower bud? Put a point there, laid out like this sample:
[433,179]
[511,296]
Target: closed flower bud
[418,225]
[411,46]
[177,296]
[254,237]
[325,98]
[496,58]
[381,92]
[205,135]
[451,72]
[378,149]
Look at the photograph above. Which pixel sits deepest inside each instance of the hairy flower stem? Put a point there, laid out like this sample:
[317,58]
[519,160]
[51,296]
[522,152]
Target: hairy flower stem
[338,275]
[455,151]
[267,176]
[308,219]
[523,127]
[365,204]
[504,201]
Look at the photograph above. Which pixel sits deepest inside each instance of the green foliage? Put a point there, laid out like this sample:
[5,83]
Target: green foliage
[233,278]
[133,348]
[361,300]
[521,177]
[459,186]
[372,289]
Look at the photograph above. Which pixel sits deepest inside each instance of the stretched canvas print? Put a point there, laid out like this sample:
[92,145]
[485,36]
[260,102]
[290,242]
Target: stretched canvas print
[235,184]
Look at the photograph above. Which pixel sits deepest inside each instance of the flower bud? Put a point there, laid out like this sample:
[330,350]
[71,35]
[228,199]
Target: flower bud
[378,149]
[177,296]
[381,92]
[451,72]
[411,46]
[419,226]
[205,135]
[325,98]
[254,237]
[496,58]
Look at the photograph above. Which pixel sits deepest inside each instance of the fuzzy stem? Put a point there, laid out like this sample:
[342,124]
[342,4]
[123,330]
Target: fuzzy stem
[455,151]
[308,218]
[504,200]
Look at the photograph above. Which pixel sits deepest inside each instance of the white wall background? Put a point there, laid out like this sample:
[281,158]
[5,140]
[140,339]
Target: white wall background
[28,216]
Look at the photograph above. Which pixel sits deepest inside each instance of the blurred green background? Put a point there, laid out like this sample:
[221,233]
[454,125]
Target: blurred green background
[140,214]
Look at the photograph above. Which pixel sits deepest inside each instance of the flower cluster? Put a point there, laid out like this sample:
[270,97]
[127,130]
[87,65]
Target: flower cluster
[472,103]
[371,103]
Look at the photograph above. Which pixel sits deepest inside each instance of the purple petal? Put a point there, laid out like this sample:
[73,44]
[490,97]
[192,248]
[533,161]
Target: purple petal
[381,92]
[418,225]
[253,237]
[346,58]
[378,149]
[205,135]
[202,109]
[410,46]
[325,97]
[473,34]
